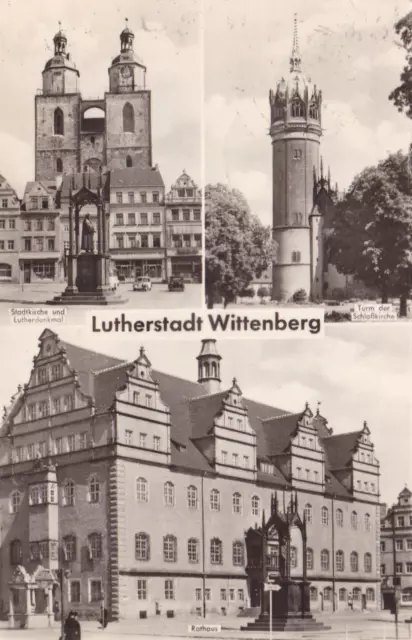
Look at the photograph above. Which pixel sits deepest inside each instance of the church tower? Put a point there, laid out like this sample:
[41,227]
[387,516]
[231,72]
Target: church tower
[295,131]
[128,109]
[57,110]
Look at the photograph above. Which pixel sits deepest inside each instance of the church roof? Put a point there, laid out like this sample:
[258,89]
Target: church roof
[136,177]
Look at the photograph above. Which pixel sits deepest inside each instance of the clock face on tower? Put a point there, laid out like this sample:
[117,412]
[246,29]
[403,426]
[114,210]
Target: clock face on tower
[126,72]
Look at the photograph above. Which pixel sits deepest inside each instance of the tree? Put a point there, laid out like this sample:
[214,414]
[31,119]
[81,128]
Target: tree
[300,296]
[402,95]
[238,247]
[263,292]
[371,230]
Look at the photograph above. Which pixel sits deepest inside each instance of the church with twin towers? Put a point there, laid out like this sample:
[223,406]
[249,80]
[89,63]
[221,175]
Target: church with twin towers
[68,140]
[303,196]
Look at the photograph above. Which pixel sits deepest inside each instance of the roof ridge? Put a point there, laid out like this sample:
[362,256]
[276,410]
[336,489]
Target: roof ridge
[283,415]
[96,353]
[339,435]
[114,366]
[207,395]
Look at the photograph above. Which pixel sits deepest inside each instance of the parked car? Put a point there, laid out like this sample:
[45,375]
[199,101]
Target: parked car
[176,283]
[142,283]
[113,282]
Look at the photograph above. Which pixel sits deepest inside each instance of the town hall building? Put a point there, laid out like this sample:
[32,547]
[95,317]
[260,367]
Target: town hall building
[141,487]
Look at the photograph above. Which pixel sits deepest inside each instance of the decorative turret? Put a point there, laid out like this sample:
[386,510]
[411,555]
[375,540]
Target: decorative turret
[209,366]
[127,72]
[60,74]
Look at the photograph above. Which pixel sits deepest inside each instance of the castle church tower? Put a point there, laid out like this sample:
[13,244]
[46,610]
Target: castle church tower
[57,110]
[295,131]
[128,110]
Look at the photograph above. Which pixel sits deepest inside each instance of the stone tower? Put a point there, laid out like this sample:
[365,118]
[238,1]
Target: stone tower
[209,366]
[57,111]
[295,131]
[128,109]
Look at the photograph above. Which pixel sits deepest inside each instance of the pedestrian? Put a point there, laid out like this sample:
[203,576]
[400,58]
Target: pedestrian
[350,602]
[77,627]
[104,617]
[72,630]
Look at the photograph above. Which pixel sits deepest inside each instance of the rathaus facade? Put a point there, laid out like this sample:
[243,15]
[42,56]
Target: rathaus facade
[141,486]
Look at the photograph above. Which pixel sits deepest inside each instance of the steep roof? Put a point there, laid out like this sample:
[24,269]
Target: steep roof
[339,448]
[135,177]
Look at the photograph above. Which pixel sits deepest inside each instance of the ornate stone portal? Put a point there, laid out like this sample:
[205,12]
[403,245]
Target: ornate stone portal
[31,598]
[269,558]
[89,264]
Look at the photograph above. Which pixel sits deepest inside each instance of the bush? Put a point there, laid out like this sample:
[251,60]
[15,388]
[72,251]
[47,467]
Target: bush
[300,296]
[263,292]
[337,316]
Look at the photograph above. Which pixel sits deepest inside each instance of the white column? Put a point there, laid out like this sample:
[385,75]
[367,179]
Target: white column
[11,609]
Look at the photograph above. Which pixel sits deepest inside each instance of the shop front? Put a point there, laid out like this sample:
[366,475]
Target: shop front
[35,270]
[128,270]
[187,266]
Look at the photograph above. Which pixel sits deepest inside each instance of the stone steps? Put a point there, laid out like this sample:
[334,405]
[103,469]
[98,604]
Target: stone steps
[286,624]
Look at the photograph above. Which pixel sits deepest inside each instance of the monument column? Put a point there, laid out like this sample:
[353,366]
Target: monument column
[71,258]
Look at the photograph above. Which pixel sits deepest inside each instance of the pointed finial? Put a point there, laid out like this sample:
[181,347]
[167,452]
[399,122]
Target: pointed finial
[329,176]
[234,382]
[318,408]
[321,167]
[365,424]
[126,20]
[306,406]
[141,352]
[60,25]
[295,60]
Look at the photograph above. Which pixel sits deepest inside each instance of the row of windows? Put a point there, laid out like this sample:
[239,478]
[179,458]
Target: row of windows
[43,549]
[47,493]
[298,110]
[185,215]
[142,197]
[143,443]
[39,202]
[50,373]
[400,568]
[368,487]
[339,560]
[170,550]
[402,520]
[325,517]
[181,192]
[141,218]
[11,223]
[138,241]
[400,544]
[128,120]
[40,225]
[7,246]
[51,406]
[39,244]
[95,591]
[307,474]
[343,594]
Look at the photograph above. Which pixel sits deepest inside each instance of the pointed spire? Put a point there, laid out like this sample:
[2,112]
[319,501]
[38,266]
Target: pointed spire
[295,59]
[329,177]
[321,167]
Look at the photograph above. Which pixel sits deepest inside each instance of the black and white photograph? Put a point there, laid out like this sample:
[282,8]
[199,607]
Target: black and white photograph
[100,138]
[308,178]
[148,487]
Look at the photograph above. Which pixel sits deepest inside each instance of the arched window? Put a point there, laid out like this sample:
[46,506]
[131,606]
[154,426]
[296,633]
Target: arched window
[15,500]
[215,500]
[59,165]
[367,562]
[324,560]
[58,122]
[356,594]
[237,503]
[293,557]
[95,545]
[128,118]
[207,369]
[193,550]
[324,516]
[298,108]
[169,494]
[313,594]
[342,595]
[238,554]
[214,370]
[170,548]
[69,548]
[94,490]
[192,497]
[16,552]
[309,559]
[340,560]
[354,562]
[367,522]
[313,111]
[370,594]
[142,490]
[142,546]
[255,505]
[354,520]
[129,161]
[339,517]
[327,594]
[308,513]
[216,555]
[279,113]
[69,492]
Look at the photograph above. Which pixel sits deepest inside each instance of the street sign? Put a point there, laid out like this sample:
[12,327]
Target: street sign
[268,586]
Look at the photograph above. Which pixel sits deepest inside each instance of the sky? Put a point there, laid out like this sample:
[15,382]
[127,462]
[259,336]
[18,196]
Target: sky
[357,373]
[167,40]
[349,49]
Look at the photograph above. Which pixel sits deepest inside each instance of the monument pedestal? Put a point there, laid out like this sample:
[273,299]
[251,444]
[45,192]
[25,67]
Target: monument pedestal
[89,283]
[290,610]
